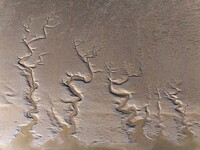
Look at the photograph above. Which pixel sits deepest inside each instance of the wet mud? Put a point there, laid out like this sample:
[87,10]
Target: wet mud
[94,75]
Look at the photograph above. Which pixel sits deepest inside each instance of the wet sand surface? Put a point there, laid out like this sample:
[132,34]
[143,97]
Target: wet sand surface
[99,74]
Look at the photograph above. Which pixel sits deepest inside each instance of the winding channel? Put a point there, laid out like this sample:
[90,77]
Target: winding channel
[78,77]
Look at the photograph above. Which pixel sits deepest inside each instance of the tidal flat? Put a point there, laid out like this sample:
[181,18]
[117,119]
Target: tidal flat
[99,75]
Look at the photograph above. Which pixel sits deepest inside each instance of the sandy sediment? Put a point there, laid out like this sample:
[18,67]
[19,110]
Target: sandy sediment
[101,74]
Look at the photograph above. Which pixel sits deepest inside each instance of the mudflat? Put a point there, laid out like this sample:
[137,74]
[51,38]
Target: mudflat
[99,74]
